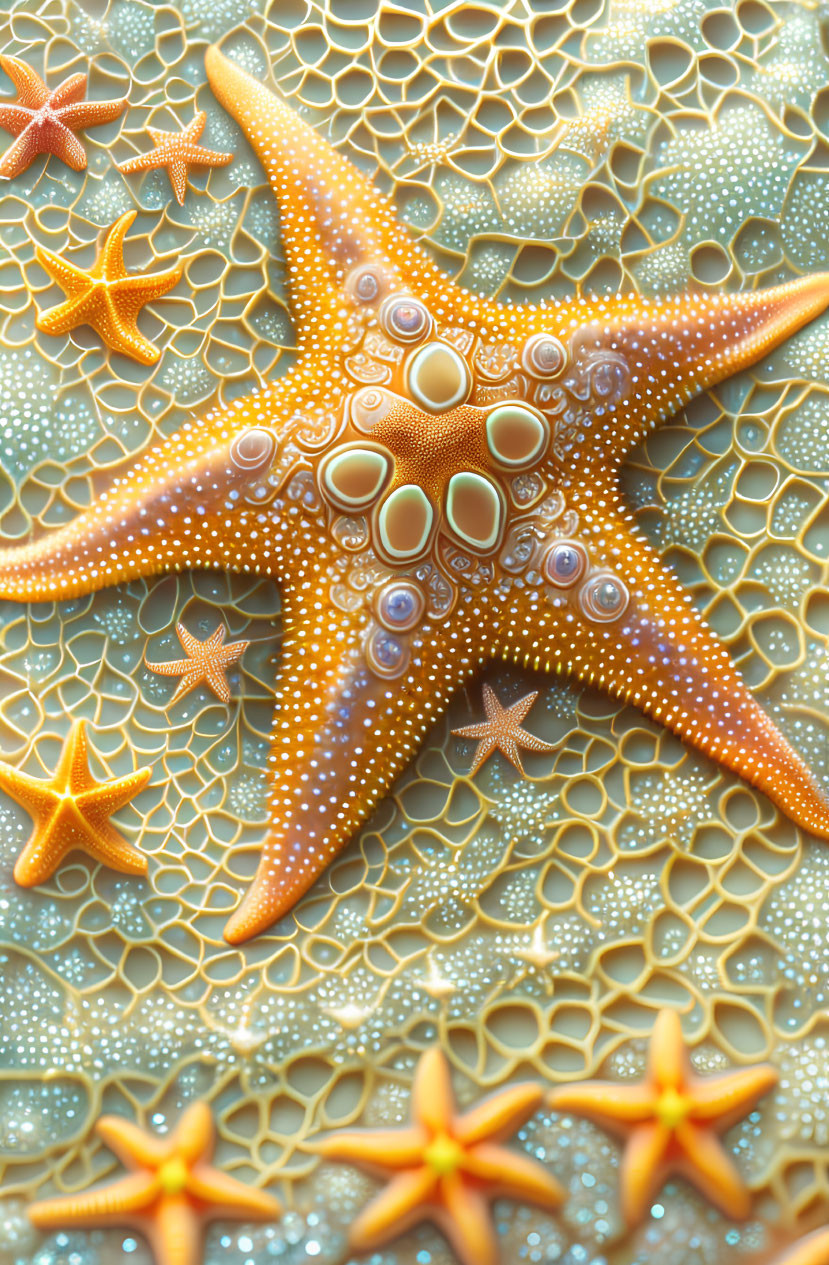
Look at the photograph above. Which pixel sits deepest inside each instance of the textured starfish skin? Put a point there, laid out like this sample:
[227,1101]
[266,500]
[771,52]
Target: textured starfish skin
[446,1167]
[106,296]
[71,811]
[172,1190]
[45,122]
[811,1250]
[670,1121]
[244,489]
[502,731]
[206,662]
[177,151]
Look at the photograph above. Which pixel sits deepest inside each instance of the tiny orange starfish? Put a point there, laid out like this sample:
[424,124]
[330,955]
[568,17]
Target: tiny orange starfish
[502,731]
[72,811]
[670,1120]
[106,297]
[446,1167]
[45,122]
[170,1193]
[813,1250]
[206,662]
[177,151]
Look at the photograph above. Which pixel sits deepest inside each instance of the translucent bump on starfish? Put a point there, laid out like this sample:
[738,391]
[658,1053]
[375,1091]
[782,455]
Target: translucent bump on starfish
[386,653]
[474,510]
[544,356]
[603,597]
[565,562]
[405,318]
[353,475]
[438,377]
[369,406]
[400,605]
[253,450]
[405,522]
[516,435]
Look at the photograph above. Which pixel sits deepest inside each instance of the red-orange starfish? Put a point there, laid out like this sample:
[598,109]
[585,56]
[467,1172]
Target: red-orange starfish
[446,1167]
[71,811]
[171,1193]
[45,122]
[207,662]
[502,731]
[177,151]
[434,484]
[671,1120]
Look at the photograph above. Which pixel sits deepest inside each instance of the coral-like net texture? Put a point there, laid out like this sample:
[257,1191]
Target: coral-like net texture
[533,928]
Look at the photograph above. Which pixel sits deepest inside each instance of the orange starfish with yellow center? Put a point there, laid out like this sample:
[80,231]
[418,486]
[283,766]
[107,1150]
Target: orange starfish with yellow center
[172,1191]
[434,484]
[177,151]
[671,1120]
[71,811]
[502,731]
[106,296]
[811,1250]
[207,662]
[446,1167]
[44,121]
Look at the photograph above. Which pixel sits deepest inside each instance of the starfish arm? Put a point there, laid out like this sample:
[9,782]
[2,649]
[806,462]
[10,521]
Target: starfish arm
[727,1098]
[72,279]
[192,132]
[433,1101]
[614,1106]
[189,681]
[43,852]
[189,644]
[376,1150]
[86,114]
[659,655]
[31,90]
[394,1210]
[65,146]
[812,1250]
[18,156]
[668,1064]
[13,117]
[228,1198]
[175,1232]
[111,1205]
[498,1116]
[35,795]
[195,1134]
[71,90]
[342,732]
[134,1147]
[643,1169]
[509,748]
[198,156]
[512,1175]
[467,1222]
[216,681]
[175,667]
[177,170]
[705,1162]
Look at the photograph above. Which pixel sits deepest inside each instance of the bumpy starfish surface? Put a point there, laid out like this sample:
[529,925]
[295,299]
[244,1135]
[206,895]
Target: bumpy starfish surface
[670,1121]
[45,122]
[434,483]
[206,662]
[71,811]
[106,296]
[172,1190]
[812,1250]
[502,731]
[446,1167]
[177,151]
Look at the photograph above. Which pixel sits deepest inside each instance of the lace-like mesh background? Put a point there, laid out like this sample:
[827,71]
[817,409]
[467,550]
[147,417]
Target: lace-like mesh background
[536,148]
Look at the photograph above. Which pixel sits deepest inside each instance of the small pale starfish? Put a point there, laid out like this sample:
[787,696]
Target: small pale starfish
[206,663]
[671,1120]
[502,731]
[446,1167]
[812,1250]
[72,811]
[170,1194]
[106,296]
[177,151]
[45,122]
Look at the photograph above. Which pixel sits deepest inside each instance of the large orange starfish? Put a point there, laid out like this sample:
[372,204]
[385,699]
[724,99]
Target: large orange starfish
[172,1190]
[71,811]
[177,151]
[446,1167]
[106,296]
[671,1120]
[434,483]
[206,662]
[45,122]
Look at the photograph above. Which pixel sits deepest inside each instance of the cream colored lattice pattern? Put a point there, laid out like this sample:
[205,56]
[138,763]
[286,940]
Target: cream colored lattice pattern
[531,927]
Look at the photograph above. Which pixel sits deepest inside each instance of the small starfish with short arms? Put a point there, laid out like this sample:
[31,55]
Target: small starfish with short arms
[177,151]
[170,1194]
[72,810]
[671,1120]
[206,663]
[446,1167]
[45,122]
[106,296]
[502,731]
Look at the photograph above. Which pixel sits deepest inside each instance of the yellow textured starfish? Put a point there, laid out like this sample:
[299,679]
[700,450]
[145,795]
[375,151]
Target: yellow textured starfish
[106,296]
[812,1250]
[502,731]
[171,1193]
[177,151]
[206,662]
[72,811]
[671,1120]
[434,484]
[446,1167]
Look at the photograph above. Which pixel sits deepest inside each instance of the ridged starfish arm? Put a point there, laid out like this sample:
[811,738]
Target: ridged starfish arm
[634,632]
[342,730]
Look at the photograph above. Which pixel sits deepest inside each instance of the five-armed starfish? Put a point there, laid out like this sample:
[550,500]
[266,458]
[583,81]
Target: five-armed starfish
[207,662]
[177,151]
[434,484]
